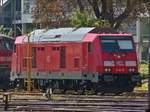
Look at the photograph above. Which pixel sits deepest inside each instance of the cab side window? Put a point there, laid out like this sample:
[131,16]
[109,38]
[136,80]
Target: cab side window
[89,47]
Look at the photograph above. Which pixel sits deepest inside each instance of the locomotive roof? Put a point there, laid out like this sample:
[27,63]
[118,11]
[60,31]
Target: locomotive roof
[104,30]
[64,34]
[59,34]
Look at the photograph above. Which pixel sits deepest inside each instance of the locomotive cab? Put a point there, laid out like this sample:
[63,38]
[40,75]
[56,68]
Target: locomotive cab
[119,59]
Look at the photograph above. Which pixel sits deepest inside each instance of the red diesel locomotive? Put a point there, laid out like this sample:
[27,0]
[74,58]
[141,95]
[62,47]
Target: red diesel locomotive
[79,59]
[6,49]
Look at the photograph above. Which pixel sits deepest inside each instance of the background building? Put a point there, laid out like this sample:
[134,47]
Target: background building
[16,14]
[143,35]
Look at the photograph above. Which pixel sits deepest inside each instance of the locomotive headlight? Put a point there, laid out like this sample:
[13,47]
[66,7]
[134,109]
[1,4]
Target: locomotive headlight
[130,63]
[107,69]
[109,63]
[131,70]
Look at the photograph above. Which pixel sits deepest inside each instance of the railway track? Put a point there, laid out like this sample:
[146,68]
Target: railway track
[115,106]
[77,103]
[126,102]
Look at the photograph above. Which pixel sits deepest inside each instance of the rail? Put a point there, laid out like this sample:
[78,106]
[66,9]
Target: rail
[77,103]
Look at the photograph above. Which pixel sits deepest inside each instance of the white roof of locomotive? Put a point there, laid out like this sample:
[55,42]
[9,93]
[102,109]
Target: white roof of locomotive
[59,34]
[66,34]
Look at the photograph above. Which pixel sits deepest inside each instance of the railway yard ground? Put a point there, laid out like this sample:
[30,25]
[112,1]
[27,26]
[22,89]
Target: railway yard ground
[36,102]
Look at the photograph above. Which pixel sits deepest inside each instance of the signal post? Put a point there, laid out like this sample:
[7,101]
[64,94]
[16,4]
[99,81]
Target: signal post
[149,75]
[148,110]
[29,65]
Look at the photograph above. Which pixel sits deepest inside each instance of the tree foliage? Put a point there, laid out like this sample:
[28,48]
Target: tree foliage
[46,11]
[5,31]
[83,19]
[2,30]
[113,11]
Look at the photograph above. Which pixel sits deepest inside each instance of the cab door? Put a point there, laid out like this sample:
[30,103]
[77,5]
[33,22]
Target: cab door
[62,57]
[40,58]
[55,58]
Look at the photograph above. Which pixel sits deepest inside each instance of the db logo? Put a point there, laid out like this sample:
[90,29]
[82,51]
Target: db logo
[120,63]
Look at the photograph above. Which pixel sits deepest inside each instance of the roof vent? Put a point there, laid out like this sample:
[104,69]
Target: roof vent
[104,31]
[57,36]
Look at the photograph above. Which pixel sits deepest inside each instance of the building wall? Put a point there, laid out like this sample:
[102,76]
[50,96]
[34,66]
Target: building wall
[16,14]
[145,35]
[6,14]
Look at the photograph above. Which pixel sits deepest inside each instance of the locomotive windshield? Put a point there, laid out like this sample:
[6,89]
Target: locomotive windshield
[117,44]
[6,44]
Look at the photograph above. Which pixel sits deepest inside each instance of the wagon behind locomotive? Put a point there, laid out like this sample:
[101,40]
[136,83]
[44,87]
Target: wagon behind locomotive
[69,58]
[6,49]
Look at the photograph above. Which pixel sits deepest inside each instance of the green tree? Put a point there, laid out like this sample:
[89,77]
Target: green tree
[114,11]
[48,12]
[4,31]
[45,12]
[83,19]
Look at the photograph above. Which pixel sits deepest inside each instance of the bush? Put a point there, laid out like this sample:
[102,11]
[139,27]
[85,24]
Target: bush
[143,70]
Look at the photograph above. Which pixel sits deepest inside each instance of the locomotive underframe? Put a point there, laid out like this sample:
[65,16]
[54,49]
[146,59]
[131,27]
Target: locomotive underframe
[81,81]
[4,77]
[58,75]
